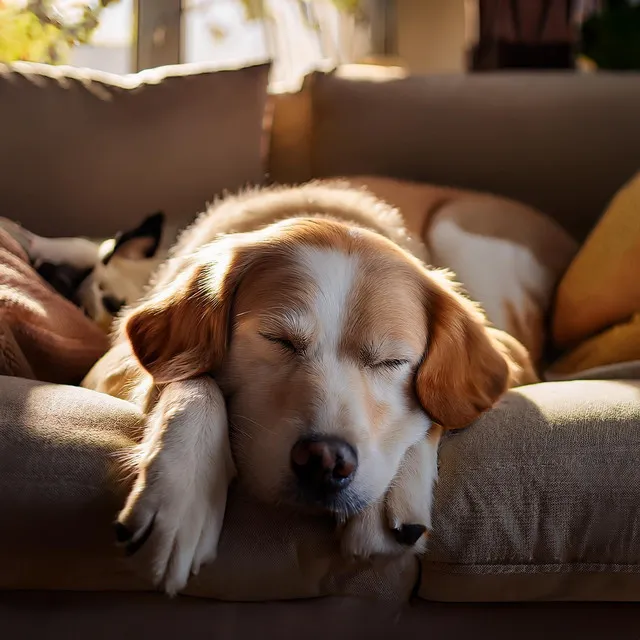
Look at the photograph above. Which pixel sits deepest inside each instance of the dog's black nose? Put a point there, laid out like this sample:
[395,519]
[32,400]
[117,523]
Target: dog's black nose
[324,464]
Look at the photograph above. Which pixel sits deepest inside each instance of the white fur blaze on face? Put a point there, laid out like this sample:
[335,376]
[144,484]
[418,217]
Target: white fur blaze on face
[333,275]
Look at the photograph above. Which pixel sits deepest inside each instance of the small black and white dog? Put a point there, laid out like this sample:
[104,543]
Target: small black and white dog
[99,277]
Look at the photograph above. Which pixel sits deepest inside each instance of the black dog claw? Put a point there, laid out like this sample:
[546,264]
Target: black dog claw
[122,533]
[409,534]
[135,545]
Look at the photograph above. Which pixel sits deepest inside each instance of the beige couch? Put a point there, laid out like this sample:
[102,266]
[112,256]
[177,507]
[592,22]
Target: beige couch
[536,501]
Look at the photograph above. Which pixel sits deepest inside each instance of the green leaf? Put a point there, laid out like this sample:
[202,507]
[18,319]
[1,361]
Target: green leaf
[37,33]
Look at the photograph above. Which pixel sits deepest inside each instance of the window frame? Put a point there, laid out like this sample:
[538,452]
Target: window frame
[158,32]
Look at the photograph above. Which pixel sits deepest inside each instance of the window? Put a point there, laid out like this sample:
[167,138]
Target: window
[222,31]
[298,35]
[122,36]
[111,45]
[69,32]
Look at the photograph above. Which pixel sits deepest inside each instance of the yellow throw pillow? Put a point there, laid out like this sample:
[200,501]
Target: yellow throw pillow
[618,344]
[601,288]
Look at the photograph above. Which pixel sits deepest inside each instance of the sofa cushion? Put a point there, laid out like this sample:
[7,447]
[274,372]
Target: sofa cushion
[85,152]
[62,482]
[619,344]
[538,138]
[601,287]
[539,499]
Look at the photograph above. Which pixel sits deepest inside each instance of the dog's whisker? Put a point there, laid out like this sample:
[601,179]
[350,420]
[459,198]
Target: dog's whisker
[241,431]
[254,422]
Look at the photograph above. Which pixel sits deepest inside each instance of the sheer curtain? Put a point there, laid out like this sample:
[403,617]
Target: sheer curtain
[298,35]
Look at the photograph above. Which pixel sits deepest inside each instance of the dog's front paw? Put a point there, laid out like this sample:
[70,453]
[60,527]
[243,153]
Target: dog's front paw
[367,535]
[399,523]
[177,504]
[179,521]
[379,531]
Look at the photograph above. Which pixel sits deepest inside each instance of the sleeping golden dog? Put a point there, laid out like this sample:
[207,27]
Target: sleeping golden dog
[296,337]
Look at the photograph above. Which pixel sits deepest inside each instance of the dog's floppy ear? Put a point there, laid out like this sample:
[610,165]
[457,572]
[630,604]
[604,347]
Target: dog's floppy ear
[137,244]
[464,371]
[182,331]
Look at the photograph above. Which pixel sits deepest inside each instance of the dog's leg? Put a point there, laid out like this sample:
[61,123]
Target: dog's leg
[78,252]
[184,468]
[409,503]
[399,523]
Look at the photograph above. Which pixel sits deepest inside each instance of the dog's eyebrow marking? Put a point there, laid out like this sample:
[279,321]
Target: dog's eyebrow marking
[286,321]
[333,274]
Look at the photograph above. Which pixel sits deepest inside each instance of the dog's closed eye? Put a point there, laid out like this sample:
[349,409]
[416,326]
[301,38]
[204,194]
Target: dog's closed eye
[371,358]
[393,363]
[294,346]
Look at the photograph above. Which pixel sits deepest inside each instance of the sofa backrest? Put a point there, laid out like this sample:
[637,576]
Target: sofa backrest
[88,153]
[563,142]
[85,153]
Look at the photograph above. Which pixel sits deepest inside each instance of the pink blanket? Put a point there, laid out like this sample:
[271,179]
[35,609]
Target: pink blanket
[42,335]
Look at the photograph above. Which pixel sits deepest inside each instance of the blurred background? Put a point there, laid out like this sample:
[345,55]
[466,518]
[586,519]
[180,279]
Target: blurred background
[425,36]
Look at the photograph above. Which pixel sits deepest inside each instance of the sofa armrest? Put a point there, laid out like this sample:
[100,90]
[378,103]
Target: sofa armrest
[539,499]
[59,484]
[62,482]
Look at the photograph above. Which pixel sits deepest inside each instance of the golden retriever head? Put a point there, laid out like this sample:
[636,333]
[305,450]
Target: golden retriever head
[334,348]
